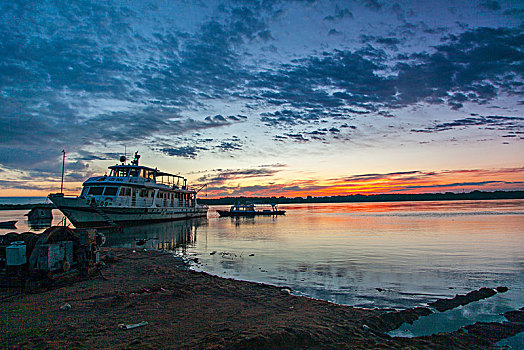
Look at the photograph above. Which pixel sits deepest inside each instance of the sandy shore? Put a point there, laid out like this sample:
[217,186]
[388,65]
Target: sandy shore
[193,310]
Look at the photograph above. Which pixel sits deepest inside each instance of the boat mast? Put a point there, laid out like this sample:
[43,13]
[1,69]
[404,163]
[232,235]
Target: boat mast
[63,165]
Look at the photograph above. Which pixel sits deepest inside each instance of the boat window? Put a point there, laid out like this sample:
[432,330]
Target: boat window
[96,190]
[120,172]
[111,191]
[85,190]
[134,172]
[125,191]
[149,174]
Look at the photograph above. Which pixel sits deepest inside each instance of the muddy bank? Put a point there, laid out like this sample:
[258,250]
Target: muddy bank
[179,308]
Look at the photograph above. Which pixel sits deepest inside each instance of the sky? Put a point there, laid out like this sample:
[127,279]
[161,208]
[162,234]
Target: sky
[265,97]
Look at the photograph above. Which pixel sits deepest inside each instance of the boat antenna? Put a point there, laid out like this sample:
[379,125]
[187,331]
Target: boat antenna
[63,167]
[201,187]
[137,157]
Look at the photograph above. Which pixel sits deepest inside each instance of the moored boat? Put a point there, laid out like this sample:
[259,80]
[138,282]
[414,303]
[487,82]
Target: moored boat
[249,210]
[130,194]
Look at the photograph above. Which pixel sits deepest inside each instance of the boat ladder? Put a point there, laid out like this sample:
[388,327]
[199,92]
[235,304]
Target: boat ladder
[103,215]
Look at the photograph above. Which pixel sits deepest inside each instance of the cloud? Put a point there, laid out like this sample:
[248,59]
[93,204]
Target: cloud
[230,145]
[23,185]
[509,124]
[388,41]
[287,117]
[221,177]
[185,152]
[491,5]
[373,4]
[82,66]
[475,66]
[416,181]
[339,14]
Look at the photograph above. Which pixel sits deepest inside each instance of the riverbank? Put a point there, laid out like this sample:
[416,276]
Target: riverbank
[187,309]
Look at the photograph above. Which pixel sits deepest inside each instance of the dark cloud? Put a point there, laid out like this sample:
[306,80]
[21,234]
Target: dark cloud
[265,35]
[222,176]
[513,124]
[318,132]
[185,152]
[217,119]
[66,71]
[298,137]
[23,185]
[517,12]
[368,177]
[388,41]
[339,14]
[398,11]
[475,66]
[279,138]
[373,4]
[491,5]
[238,117]
[288,117]
[455,185]
[227,146]
[87,76]
[352,72]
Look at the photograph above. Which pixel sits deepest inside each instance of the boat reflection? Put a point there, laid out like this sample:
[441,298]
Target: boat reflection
[39,224]
[250,220]
[39,217]
[172,236]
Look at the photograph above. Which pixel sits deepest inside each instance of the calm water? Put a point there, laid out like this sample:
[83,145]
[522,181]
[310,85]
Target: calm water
[23,200]
[364,254]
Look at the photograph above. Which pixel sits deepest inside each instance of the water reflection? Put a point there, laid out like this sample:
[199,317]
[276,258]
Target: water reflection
[39,224]
[250,220]
[172,236]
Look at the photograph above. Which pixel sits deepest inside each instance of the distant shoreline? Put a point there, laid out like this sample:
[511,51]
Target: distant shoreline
[25,206]
[357,198]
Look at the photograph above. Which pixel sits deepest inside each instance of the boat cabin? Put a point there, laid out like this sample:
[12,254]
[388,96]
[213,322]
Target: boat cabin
[139,186]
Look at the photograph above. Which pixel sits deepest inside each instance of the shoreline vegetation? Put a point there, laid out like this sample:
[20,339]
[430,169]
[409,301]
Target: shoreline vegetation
[151,300]
[356,198]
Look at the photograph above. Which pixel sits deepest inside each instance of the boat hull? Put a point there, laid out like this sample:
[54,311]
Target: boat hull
[8,224]
[81,214]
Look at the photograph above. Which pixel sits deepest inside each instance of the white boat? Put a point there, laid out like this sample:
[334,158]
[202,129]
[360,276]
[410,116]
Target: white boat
[130,194]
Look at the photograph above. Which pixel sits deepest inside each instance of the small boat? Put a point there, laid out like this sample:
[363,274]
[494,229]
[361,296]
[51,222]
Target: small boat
[8,224]
[249,210]
[40,212]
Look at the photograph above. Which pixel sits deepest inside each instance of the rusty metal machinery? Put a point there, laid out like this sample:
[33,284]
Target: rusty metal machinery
[57,252]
